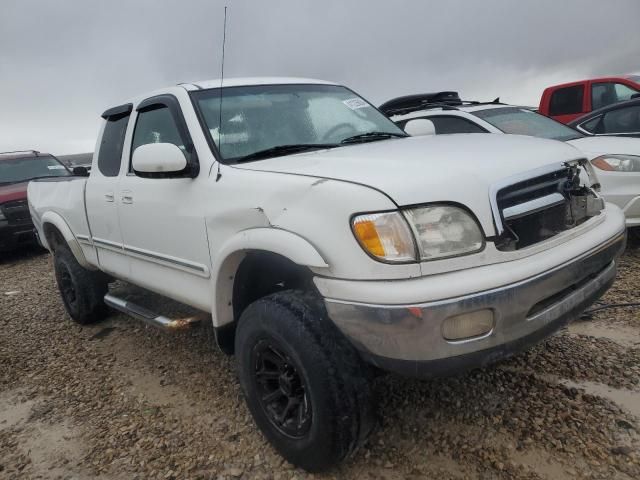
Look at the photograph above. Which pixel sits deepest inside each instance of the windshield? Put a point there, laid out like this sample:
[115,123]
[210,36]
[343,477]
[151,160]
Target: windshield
[18,170]
[259,118]
[520,121]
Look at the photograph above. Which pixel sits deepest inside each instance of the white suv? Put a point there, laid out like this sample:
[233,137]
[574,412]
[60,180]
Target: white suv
[617,159]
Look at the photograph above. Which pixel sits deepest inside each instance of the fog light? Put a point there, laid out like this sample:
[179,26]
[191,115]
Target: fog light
[468,325]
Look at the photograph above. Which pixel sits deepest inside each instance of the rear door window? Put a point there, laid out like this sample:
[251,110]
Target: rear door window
[622,120]
[567,101]
[111,145]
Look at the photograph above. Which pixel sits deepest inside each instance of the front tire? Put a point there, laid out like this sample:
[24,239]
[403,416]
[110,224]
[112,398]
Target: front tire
[82,290]
[305,385]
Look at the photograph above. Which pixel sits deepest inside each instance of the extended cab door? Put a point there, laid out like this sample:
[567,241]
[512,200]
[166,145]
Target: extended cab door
[102,192]
[161,216]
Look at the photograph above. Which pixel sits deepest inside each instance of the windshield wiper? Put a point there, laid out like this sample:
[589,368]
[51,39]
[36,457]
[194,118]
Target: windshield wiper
[285,150]
[372,137]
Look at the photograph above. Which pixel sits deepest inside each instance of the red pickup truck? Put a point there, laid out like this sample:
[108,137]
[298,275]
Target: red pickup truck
[569,101]
[16,170]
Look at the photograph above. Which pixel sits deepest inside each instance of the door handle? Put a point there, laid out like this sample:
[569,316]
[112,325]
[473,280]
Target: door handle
[126,197]
[108,196]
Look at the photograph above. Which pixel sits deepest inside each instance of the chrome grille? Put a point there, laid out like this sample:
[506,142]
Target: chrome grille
[536,209]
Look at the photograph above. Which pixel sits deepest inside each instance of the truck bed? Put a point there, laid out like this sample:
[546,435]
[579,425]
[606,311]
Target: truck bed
[62,197]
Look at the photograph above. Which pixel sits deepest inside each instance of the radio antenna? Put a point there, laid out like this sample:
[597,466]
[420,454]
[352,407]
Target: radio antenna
[224,41]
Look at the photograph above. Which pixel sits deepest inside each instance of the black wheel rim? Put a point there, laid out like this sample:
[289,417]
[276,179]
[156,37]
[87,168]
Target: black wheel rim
[67,287]
[282,392]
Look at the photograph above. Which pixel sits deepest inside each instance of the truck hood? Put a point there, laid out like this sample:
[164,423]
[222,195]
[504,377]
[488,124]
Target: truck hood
[15,191]
[441,168]
[593,147]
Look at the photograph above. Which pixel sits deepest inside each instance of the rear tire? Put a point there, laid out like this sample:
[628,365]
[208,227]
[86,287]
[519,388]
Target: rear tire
[305,385]
[82,290]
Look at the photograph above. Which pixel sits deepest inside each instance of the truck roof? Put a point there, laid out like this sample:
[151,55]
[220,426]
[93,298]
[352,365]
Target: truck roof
[247,81]
[227,82]
[611,78]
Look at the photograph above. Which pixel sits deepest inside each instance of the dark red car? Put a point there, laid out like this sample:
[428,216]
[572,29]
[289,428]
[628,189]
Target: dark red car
[16,170]
[569,101]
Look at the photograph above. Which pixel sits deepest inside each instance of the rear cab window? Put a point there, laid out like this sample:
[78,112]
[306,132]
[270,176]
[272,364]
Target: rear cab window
[567,100]
[112,142]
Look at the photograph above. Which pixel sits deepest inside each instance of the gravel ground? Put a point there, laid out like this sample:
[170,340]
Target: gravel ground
[120,400]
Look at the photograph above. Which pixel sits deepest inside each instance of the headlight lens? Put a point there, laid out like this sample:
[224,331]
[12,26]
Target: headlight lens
[440,231]
[386,236]
[617,163]
[444,231]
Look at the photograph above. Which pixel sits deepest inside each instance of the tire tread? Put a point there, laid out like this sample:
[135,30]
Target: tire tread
[348,377]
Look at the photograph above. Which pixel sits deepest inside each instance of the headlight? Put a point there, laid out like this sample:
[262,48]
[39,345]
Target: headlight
[617,163]
[2,217]
[444,231]
[385,236]
[439,230]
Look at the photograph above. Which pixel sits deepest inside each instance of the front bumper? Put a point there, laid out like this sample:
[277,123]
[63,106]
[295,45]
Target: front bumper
[13,236]
[631,211]
[408,339]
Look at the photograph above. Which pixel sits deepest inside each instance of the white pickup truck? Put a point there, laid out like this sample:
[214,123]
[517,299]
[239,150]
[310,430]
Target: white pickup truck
[323,241]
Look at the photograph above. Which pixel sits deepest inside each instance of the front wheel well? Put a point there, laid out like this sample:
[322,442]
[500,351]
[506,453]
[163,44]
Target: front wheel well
[54,237]
[260,274]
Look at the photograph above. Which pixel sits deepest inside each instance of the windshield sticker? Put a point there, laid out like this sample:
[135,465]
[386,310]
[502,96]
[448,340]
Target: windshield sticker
[55,167]
[355,103]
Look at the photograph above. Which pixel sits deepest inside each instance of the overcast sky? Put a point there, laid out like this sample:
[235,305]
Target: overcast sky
[64,62]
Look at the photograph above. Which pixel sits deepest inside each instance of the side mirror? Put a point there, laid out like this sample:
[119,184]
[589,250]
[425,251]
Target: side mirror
[80,171]
[158,158]
[420,126]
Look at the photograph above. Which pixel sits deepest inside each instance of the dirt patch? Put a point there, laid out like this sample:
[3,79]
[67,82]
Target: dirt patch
[625,335]
[44,449]
[54,450]
[626,399]
[584,358]
[13,411]
[119,400]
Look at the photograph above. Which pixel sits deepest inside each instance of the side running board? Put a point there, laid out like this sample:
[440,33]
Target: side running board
[141,313]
